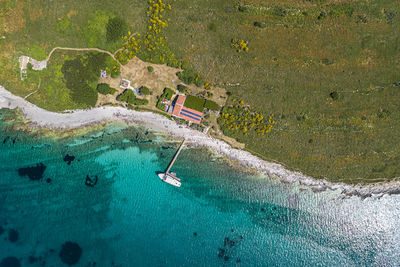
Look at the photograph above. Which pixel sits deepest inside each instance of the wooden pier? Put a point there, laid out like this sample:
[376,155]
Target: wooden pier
[170,177]
[175,157]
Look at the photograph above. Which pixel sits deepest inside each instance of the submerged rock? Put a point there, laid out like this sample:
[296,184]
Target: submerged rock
[48,180]
[32,259]
[13,235]
[226,241]
[10,262]
[68,159]
[70,253]
[1,230]
[91,182]
[34,173]
[195,234]
[221,253]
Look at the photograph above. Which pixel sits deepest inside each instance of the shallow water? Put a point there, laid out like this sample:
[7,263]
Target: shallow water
[220,216]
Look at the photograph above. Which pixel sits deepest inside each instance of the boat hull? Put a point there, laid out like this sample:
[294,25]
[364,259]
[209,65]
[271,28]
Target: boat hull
[169,179]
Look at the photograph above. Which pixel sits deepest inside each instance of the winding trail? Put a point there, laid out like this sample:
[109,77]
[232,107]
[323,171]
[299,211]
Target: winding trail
[80,49]
[40,80]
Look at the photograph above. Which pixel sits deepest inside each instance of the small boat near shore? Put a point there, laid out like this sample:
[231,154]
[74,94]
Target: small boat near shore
[170,178]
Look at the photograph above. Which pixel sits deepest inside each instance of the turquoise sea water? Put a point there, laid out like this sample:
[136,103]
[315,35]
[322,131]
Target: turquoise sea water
[221,216]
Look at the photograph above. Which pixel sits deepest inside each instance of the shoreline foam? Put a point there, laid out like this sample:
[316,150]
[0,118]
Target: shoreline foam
[39,117]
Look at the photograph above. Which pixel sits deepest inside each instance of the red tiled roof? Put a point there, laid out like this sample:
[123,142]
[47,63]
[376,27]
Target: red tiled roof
[186,113]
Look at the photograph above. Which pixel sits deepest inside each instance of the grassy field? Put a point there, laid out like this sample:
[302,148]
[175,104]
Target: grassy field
[327,71]
[299,54]
[35,27]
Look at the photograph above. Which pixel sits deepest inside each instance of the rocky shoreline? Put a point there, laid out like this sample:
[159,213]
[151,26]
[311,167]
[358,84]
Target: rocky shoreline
[40,118]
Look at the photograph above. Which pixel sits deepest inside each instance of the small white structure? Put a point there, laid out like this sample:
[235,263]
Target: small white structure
[36,65]
[126,84]
[103,74]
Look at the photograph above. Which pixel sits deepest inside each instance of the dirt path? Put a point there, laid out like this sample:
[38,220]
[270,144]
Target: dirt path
[87,49]
[80,49]
[40,80]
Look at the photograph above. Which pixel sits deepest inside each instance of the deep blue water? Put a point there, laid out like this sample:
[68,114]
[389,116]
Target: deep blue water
[221,216]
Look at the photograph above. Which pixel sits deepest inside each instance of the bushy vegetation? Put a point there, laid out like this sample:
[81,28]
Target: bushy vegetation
[144,90]
[181,88]
[129,97]
[150,69]
[151,46]
[241,118]
[259,24]
[239,45]
[105,89]
[81,74]
[189,76]
[116,28]
[64,26]
[167,94]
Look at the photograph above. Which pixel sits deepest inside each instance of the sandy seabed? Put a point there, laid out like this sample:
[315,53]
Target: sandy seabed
[40,118]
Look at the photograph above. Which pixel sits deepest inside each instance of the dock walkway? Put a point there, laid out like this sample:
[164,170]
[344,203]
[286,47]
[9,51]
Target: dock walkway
[175,157]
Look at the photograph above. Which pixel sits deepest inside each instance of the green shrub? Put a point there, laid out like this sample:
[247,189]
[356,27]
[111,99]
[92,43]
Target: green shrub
[104,88]
[260,24]
[243,8]
[199,81]
[211,105]
[189,76]
[140,102]
[63,25]
[127,96]
[150,68]
[144,90]
[212,27]
[334,95]
[327,61]
[115,74]
[182,88]
[116,28]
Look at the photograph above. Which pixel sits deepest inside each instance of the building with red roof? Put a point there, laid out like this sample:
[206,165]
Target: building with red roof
[186,113]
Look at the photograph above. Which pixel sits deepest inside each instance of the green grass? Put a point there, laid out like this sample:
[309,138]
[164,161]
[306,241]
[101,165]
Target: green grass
[198,103]
[194,102]
[293,65]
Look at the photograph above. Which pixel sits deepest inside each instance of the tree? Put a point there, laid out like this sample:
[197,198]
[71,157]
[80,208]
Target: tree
[104,88]
[144,90]
[150,68]
[334,95]
[181,88]
[127,96]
